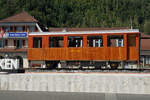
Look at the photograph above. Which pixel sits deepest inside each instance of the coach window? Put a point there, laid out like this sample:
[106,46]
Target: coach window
[95,41]
[37,42]
[56,42]
[132,40]
[115,41]
[75,41]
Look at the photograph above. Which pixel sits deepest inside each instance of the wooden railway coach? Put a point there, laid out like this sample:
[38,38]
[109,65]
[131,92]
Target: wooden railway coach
[83,48]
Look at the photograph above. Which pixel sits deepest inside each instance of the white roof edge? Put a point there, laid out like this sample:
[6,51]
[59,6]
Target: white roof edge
[86,32]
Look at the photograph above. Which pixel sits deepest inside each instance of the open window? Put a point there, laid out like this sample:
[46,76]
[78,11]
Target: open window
[37,42]
[95,41]
[56,42]
[115,41]
[75,41]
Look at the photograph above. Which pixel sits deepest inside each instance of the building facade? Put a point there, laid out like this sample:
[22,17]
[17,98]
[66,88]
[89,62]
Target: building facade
[145,50]
[14,37]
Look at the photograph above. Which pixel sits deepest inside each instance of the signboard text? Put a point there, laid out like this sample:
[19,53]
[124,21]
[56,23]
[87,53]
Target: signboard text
[14,34]
[9,64]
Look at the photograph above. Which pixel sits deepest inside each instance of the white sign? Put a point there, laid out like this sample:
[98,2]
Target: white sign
[9,64]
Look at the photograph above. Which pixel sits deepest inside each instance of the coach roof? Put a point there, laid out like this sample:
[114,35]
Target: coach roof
[68,29]
[86,32]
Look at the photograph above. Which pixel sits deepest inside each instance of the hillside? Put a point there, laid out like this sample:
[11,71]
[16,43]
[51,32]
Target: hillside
[82,13]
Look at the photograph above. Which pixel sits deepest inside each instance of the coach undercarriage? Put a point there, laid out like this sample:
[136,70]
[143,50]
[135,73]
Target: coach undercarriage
[90,65]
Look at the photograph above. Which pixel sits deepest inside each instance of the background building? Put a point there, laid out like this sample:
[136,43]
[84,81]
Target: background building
[145,49]
[14,36]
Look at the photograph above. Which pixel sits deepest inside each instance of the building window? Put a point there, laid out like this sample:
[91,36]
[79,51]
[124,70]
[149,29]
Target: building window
[1,43]
[94,41]
[6,42]
[31,28]
[14,42]
[56,42]
[75,41]
[7,29]
[18,43]
[19,28]
[115,41]
[146,60]
[37,42]
[24,42]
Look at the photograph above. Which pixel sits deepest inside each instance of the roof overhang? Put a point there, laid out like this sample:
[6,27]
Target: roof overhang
[17,23]
[87,32]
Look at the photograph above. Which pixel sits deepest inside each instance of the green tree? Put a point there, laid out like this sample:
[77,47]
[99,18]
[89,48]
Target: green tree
[147,28]
[82,13]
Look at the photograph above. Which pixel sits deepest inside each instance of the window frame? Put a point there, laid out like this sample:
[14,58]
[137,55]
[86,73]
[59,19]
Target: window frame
[81,45]
[37,45]
[116,38]
[130,37]
[49,42]
[94,45]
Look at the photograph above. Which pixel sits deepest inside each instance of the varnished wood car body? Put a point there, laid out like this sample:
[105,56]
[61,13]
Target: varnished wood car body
[105,53]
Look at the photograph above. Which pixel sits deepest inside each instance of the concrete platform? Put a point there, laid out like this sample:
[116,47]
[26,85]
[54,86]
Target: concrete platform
[34,95]
[78,82]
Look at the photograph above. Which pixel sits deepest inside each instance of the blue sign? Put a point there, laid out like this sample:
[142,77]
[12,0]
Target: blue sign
[14,34]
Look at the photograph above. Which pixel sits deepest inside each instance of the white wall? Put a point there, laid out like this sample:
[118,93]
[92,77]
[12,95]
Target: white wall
[77,82]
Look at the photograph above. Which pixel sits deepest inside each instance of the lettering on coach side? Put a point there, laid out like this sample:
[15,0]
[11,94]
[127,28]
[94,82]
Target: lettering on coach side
[9,64]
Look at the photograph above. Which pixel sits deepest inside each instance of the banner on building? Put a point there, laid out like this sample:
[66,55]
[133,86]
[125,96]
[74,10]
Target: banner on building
[9,64]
